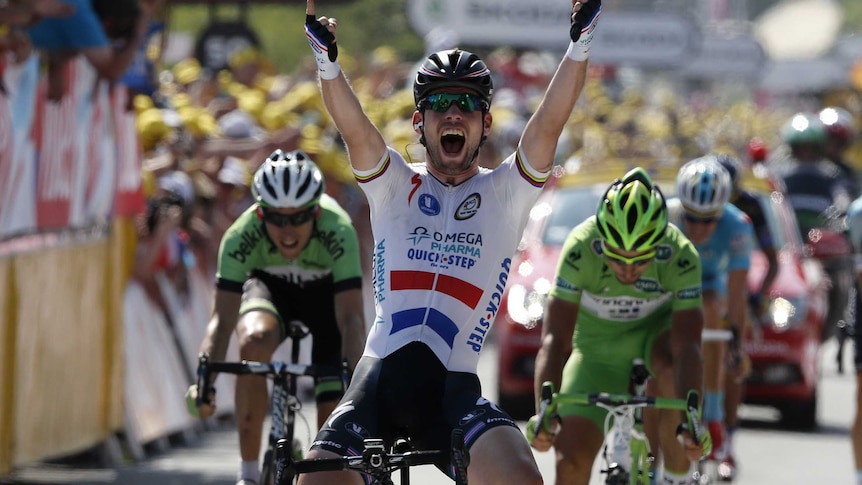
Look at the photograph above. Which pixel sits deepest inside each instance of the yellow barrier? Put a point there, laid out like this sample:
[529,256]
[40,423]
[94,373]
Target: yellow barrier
[61,347]
[7,358]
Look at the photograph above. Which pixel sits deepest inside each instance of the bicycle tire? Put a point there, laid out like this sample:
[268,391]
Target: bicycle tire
[641,463]
[267,472]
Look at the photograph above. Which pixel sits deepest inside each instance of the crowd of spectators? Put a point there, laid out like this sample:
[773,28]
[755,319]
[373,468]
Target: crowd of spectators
[203,133]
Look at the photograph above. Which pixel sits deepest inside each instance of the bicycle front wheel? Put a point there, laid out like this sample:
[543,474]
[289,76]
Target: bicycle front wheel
[267,473]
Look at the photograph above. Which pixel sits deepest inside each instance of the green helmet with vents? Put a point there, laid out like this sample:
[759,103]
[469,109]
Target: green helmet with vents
[632,214]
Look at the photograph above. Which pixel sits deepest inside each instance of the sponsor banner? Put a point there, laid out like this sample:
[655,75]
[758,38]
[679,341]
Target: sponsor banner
[638,38]
[727,57]
[68,164]
[129,193]
[17,150]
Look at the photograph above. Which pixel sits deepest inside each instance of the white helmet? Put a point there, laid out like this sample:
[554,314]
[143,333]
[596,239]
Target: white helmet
[703,186]
[287,180]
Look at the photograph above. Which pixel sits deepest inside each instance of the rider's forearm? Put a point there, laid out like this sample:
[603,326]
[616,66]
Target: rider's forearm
[364,142]
[353,339]
[688,369]
[737,308]
[563,92]
[549,365]
[540,136]
[217,339]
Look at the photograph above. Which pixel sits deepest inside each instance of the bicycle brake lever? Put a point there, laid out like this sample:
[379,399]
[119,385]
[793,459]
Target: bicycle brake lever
[692,406]
[203,379]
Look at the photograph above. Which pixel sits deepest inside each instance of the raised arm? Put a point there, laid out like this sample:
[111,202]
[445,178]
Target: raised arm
[365,144]
[539,140]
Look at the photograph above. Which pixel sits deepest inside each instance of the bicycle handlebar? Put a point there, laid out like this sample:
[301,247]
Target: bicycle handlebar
[375,461]
[550,401]
[611,399]
[248,367]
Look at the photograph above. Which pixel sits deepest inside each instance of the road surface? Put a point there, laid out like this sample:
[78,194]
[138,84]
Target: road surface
[767,454]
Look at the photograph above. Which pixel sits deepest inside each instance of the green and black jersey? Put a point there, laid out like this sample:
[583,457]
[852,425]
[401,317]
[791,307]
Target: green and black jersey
[332,254]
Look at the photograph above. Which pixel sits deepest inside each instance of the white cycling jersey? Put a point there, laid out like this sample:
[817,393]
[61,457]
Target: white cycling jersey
[442,253]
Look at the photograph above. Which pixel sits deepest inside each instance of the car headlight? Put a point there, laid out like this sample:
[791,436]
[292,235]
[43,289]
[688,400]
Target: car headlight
[527,305]
[786,313]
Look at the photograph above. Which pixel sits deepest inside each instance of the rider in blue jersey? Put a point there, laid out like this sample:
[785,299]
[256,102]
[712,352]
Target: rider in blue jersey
[723,236]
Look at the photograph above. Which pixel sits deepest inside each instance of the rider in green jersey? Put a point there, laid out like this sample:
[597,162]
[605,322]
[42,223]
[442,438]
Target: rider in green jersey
[627,285]
[293,255]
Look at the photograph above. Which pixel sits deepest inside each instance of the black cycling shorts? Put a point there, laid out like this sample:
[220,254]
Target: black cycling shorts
[409,394]
[313,305]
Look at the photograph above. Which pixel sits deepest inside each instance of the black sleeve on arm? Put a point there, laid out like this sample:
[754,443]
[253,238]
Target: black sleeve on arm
[348,284]
[228,285]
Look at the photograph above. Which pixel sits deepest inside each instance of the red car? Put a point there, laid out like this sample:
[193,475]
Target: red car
[783,347]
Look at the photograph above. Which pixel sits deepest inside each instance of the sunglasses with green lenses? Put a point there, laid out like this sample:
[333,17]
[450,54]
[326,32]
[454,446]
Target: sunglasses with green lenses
[466,102]
[639,260]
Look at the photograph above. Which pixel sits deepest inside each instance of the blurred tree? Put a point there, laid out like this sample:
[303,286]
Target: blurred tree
[364,25]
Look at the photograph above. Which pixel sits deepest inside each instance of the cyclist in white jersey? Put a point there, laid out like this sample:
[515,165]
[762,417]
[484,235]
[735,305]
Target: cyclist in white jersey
[444,234]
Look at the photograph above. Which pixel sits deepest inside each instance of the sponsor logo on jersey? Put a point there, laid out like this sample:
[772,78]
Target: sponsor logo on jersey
[471,416]
[441,259]
[596,244]
[460,249]
[418,235]
[565,284]
[688,293]
[332,243]
[573,256]
[416,181]
[378,272]
[663,252]
[648,285]
[622,308]
[356,430]
[477,337]
[249,239]
[429,205]
[421,233]
[342,409]
[469,207]
[740,244]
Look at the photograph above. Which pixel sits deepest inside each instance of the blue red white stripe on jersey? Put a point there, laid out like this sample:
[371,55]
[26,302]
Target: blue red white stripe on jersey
[459,289]
[433,319]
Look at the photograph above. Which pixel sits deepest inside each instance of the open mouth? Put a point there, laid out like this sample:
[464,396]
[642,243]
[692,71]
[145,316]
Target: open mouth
[452,141]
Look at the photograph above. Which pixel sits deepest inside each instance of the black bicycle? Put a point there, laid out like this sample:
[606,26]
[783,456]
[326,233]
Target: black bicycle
[284,403]
[376,461]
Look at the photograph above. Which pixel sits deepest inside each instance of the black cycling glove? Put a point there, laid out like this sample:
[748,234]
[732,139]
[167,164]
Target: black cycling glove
[320,35]
[584,18]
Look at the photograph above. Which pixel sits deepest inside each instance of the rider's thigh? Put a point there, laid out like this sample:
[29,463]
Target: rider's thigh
[326,478]
[577,445]
[259,334]
[502,456]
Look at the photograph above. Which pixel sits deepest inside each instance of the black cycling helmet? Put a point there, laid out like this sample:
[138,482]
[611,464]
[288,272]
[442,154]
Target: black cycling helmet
[732,165]
[453,68]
